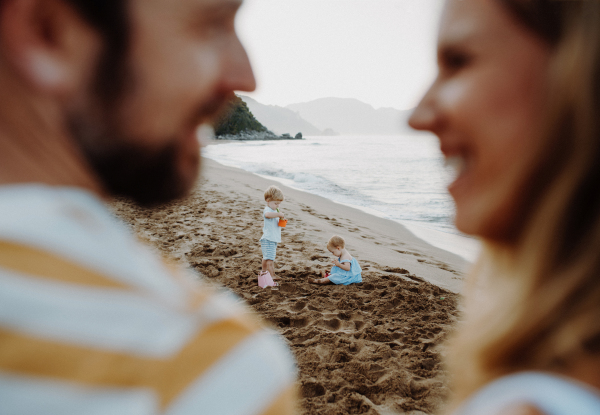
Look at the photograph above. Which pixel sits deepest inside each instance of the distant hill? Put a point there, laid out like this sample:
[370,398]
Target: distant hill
[237,119]
[280,120]
[352,117]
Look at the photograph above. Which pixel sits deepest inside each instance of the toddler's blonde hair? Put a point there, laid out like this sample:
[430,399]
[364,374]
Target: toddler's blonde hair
[273,193]
[336,242]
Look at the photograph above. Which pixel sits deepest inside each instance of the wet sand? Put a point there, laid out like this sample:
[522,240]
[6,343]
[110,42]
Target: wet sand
[371,348]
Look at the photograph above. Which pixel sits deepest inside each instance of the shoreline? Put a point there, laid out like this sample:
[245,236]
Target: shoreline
[445,236]
[374,238]
[463,246]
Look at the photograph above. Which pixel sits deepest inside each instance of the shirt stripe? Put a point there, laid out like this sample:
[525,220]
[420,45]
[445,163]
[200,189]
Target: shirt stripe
[26,395]
[76,226]
[248,371]
[38,263]
[285,403]
[26,355]
[124,321]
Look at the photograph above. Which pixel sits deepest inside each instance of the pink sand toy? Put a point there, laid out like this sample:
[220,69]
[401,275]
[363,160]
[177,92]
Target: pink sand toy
[265,280]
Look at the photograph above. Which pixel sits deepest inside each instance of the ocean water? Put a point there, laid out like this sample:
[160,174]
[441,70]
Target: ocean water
[401,178]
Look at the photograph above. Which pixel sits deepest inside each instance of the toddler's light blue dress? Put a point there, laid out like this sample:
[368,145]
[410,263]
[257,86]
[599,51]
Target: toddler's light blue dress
[340,277]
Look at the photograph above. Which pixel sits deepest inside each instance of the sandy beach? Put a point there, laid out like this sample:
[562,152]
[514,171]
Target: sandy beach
[369,348]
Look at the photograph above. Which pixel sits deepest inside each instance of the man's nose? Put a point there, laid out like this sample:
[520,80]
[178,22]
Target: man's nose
[237,71]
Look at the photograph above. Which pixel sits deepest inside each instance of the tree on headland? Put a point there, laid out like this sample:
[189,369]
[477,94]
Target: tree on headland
[237,119]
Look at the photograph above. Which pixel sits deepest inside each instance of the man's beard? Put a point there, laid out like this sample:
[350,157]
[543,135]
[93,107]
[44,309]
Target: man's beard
[128,167]
[132,171]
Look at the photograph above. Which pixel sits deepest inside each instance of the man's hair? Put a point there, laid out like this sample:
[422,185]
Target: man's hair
[273,193]
[107,16]
[110,18]
[336,242]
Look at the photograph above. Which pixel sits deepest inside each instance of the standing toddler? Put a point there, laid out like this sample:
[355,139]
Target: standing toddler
[271,233]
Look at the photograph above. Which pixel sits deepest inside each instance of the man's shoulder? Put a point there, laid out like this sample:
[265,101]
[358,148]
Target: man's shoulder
[76,230]
[188,352]
[187,344]
[78,289]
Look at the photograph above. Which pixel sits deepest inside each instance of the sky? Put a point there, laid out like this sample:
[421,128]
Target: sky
[381,52]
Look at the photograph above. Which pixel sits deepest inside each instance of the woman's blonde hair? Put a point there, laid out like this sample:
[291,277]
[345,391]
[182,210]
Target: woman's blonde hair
[273,193]
[336,242]
[536,304]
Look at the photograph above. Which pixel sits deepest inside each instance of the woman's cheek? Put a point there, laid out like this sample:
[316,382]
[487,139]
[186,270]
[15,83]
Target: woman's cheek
[455,96]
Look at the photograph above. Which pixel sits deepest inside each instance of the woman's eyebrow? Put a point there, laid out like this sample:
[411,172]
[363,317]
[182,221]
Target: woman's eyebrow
[458,32]
[218,7]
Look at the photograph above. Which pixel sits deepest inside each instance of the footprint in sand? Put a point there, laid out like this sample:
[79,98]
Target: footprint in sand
[312,389]
[300,321]
[333,324]
[298,306]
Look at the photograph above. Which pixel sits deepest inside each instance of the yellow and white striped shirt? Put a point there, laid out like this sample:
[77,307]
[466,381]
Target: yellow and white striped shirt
[91,322]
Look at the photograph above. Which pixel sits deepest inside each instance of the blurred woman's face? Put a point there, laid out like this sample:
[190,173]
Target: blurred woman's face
[486,107]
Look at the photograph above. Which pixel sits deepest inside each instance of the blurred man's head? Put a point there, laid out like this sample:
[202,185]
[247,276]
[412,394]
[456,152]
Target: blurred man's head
[130,80]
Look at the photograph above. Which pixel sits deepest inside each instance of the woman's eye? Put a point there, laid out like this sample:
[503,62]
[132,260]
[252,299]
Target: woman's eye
[452,60]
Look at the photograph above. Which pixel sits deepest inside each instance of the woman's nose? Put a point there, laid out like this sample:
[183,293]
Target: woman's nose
[423,117]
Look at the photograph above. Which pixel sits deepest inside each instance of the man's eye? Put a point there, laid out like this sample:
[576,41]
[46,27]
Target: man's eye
[213,29]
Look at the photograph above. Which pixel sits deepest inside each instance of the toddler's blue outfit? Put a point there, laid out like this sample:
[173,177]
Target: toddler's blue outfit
[271,235]
[340,276]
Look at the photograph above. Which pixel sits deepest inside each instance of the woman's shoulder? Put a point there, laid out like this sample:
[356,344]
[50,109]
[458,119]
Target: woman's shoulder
[522,409]
[544,393]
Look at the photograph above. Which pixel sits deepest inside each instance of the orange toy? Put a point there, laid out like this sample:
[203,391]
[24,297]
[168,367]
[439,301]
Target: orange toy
[282,222]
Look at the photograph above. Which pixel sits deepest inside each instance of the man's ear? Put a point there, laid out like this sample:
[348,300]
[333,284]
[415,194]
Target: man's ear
[48,44]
